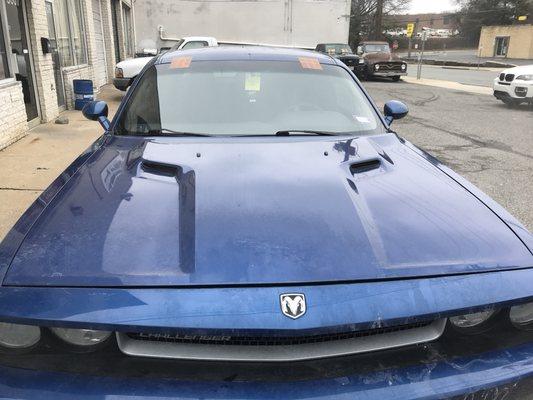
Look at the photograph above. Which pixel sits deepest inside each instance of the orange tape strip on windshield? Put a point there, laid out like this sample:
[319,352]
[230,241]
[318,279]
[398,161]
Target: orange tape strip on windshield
[181,62]
[309,63]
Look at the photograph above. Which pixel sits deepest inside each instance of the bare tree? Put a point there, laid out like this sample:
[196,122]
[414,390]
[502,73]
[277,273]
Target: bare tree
[365,17]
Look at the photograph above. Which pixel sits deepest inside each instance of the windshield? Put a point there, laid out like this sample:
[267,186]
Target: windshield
[377,48]
[247,98]
[338,49]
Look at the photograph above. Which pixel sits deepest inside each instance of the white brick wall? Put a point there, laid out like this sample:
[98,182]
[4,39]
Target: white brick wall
[12,113]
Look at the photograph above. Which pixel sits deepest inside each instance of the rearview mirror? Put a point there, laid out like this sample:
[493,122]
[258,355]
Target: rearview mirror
[97,111]
[394,110]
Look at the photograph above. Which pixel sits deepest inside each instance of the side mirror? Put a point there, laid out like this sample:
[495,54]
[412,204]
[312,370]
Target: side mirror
[394,110]
[360,50]
[97,111]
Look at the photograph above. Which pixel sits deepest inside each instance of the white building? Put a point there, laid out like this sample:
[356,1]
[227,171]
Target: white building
[86,38]
[299,23]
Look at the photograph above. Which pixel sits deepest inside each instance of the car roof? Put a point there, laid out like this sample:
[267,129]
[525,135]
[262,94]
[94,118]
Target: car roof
[257,53]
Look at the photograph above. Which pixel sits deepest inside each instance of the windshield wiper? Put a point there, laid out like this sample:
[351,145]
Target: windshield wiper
[305,131]
[170,132]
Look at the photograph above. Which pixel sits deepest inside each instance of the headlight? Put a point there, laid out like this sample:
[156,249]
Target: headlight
[525,77]
[474,320]
[119,73]
[81,337]
[404,67]
[16,336]
[376,67]
[361,61]
[522,316]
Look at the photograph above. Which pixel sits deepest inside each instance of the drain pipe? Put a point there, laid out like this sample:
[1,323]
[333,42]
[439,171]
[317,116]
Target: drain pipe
[163,37]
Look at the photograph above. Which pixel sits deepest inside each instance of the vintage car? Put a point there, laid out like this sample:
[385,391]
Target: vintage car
[249,226]
[380,62]
[343,52]
[514,86]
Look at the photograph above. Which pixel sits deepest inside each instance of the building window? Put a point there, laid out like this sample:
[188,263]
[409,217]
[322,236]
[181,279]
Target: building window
[70,31]
[126,18]
[446,20]
[4,67]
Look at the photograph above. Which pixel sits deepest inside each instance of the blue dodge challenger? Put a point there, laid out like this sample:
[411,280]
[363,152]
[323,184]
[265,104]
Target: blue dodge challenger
[249,226]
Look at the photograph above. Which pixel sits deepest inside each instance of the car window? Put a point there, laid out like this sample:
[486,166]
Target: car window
[377,48]
[338,49]
[195,45]
[247,98]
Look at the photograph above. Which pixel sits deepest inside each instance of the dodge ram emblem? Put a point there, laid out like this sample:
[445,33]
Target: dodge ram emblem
[293,305]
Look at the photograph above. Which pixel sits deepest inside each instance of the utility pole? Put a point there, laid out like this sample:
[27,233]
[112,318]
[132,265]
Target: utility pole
[379,20]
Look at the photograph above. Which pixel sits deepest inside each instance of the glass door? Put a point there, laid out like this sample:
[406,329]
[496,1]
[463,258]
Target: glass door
[56,60]
[501,46]
[21,55]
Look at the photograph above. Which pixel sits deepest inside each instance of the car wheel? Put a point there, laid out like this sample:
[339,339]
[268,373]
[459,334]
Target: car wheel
[396,78]
[509,102]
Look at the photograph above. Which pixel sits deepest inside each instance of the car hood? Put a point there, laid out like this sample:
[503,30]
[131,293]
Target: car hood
[381,57]
[521,70]
[190,211]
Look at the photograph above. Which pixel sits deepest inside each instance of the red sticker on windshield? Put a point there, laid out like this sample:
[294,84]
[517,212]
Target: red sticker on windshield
[309,63]
[180,62]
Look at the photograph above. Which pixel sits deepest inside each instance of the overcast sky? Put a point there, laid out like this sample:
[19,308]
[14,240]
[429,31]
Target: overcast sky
[430,6]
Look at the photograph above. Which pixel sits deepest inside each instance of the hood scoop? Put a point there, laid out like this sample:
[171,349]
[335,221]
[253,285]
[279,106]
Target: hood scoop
[365,166]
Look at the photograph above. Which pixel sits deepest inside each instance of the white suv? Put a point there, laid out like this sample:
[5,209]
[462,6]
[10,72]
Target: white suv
[515,85]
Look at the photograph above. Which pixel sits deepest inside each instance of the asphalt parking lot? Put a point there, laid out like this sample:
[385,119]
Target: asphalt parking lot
[476,135]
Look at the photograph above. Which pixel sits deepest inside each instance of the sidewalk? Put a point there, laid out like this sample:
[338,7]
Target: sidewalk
[28,166]
[449,85]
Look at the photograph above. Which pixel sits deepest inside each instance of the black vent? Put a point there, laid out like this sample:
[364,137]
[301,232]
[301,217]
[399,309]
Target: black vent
[509,77]
[502,76]
[269,341]
[365,166]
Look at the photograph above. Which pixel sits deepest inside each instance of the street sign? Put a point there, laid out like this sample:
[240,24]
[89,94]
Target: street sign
[395,45]
[522,18]
[424,36]
[410,29]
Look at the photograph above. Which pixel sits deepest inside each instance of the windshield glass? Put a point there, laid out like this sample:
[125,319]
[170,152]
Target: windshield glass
[247,98]
[338,49]
[377,48]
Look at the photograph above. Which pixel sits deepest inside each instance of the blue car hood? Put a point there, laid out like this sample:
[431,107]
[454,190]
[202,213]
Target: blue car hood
[190,211]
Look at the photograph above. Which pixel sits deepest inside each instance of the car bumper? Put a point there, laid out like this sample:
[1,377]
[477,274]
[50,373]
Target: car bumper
[122,83]
[487,375]
[389,73]
[516,90]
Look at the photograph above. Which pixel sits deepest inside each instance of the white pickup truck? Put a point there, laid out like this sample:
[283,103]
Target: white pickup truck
[127,70]
[515,85]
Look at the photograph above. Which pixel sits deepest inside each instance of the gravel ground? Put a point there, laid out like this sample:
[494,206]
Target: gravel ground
[476,135]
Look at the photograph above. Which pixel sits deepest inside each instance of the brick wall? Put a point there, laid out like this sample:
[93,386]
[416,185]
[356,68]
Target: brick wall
[520,42]
[71,73]
[12,113]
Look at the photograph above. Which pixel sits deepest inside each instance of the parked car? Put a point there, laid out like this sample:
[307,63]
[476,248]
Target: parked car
[343,52]
[250,226]
[127,70]
[514,86]
[379,61]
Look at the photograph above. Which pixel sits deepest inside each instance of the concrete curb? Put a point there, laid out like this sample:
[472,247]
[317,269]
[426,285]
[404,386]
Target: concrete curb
[450,85]
[451,63]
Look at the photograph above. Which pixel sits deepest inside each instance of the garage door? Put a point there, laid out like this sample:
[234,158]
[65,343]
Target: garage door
[100,71]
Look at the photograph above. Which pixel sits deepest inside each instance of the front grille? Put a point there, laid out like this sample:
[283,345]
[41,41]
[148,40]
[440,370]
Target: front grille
[502,76]
[276,349]
[509,77]
[390,66]
[350,62]
[269,341]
